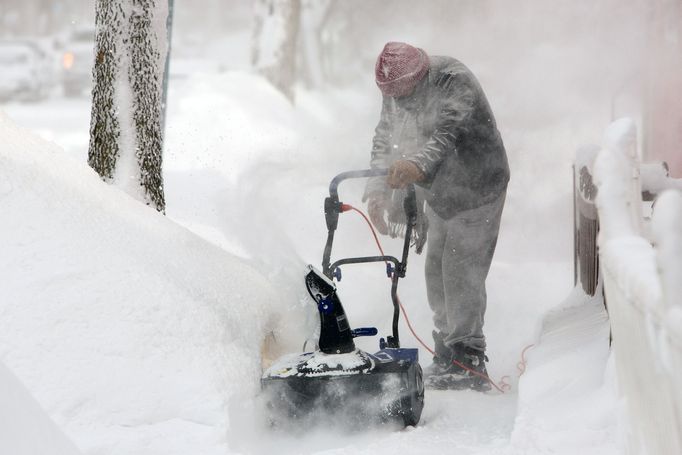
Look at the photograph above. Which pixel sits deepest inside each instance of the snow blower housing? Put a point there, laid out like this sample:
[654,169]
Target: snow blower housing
[337,377]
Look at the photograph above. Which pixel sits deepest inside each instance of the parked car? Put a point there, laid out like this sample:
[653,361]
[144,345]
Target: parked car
[26,72]
[77,61]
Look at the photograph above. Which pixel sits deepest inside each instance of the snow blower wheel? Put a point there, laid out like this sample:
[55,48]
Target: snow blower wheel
[338,378]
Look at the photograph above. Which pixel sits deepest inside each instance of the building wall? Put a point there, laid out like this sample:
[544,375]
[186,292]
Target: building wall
[663,120]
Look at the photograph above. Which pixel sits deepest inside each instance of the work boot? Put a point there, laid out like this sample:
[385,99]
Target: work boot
[442,359]
[457,377]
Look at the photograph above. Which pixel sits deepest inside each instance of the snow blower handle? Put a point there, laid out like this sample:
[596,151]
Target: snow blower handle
[333,207]
[395,268]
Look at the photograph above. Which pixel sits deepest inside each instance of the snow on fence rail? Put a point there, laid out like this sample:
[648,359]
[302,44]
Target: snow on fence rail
[641,266]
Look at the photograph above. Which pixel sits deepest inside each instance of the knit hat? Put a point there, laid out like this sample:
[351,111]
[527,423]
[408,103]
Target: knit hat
[399,68]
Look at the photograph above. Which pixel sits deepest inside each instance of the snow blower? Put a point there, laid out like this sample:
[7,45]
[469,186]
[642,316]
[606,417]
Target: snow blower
[338,378]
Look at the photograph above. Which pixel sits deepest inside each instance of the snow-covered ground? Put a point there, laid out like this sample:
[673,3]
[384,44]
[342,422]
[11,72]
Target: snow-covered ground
[138,336]
[25,428]
[139,333]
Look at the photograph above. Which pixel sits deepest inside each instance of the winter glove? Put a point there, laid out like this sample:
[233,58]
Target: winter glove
[376,208]
[403,173]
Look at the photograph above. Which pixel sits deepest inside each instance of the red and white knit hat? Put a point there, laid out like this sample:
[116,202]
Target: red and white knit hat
[399,68]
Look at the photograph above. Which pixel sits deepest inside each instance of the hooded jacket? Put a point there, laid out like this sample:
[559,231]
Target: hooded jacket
[445,127]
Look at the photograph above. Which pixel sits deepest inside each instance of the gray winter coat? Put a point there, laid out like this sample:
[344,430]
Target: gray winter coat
[445,127]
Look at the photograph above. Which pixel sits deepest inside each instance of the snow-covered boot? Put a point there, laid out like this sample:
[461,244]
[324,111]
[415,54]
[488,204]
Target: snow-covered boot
[466,370]
[442,359]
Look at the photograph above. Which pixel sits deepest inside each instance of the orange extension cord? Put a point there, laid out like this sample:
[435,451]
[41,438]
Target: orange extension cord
[502,385]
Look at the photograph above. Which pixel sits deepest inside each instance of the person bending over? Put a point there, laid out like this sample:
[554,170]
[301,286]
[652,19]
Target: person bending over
[437,131]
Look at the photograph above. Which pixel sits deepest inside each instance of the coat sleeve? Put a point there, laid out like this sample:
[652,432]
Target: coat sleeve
[457,104]
[380,151]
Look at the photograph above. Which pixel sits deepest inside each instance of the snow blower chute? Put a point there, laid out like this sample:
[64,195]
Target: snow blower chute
[337,377]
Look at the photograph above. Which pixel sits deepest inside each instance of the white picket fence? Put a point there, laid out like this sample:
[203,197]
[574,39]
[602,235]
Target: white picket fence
[641,267]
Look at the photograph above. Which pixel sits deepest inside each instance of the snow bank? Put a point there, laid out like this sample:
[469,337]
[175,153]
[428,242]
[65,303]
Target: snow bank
[567,395]
[25,429]
[132,332]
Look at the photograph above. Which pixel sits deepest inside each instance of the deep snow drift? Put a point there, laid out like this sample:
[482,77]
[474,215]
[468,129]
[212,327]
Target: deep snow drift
[25,428]
[130,330]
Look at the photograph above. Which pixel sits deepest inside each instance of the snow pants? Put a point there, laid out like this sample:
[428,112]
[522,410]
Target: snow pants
[458,257]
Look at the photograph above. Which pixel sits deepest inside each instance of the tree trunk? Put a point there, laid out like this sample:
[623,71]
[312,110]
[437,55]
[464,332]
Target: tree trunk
[125,130]
[145,73]
[105,128]
[275,36]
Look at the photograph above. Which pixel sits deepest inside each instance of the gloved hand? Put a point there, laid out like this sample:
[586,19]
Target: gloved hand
[376,208]
[403,173]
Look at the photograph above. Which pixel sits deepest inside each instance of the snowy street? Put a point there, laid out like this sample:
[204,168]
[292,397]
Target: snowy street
[126,331]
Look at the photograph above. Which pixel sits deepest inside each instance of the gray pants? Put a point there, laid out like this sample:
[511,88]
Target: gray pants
[458,257]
